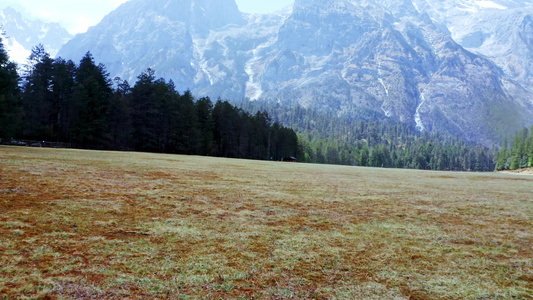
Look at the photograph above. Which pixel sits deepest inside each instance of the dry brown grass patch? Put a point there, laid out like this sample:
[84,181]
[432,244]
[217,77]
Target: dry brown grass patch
[86,224]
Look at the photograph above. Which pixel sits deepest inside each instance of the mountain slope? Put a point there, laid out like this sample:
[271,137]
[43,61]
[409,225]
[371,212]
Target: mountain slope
[501,30]
[22,35]
[396,61]
[356,58]
[157,34]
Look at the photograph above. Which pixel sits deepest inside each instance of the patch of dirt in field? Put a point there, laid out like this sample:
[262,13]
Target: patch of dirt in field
[527,171]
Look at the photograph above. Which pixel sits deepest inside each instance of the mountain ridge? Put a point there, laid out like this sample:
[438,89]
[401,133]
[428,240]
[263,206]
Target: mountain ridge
[392,59]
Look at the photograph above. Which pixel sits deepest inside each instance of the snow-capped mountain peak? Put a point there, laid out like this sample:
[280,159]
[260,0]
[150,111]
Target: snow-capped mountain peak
[21,35]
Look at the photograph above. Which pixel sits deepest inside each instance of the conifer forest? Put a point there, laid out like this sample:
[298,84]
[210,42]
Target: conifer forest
[79,105]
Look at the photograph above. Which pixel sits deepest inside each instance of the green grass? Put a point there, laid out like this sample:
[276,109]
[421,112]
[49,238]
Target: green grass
[86,224]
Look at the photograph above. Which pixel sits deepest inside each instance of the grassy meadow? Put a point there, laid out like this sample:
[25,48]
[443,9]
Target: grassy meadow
[108,225]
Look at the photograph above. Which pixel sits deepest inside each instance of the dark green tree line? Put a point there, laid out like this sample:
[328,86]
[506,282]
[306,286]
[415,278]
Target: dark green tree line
[373,142]
[519,154]
[78,104]
[417,151]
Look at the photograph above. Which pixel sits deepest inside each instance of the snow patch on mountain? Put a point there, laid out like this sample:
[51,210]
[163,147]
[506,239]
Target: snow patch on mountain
[22,35]
[490,4]
[254,68]
[418,119]
[16,51]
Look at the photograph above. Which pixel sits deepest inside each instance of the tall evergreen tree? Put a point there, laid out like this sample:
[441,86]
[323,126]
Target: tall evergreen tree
[120,129]
[501,159]
[227,119]
[206,125]
[91,96]
[260,137]
[10,112]
[63,74]
[168,119]
[186,130]
[530,147]
[144,112]
[40,105]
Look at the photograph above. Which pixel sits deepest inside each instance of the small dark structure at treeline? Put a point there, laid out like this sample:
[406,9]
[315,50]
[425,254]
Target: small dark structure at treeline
[289,159]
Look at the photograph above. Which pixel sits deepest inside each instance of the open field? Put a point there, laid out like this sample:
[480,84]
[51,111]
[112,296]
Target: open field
[104,225]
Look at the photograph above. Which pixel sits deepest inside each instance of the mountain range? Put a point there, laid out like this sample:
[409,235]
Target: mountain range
[463,67]
[22,34]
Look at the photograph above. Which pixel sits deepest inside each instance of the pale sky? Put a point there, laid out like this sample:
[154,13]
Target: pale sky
[78,15]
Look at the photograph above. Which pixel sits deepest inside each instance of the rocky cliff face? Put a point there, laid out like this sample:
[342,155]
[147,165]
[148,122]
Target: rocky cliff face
[157,34]
[497,29]
[21,35]
[395,58]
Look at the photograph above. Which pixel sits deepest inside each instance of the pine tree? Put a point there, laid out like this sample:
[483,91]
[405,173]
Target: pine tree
[501,162]
[63,74]
[10,111]
[514,163]
[530,147]
[227,120]
[260,136]
[167,115]
[144,112]
[91,96]
[204,110]
[39,103]
[186,130]
[119,116]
